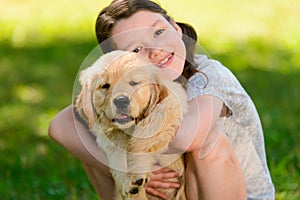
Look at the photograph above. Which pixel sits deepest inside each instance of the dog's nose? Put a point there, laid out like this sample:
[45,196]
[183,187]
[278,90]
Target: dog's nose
[121,102]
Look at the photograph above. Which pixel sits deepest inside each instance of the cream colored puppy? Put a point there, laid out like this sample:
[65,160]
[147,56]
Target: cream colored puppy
[134,115]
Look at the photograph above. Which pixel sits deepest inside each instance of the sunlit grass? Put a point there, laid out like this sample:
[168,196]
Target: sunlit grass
[43,43]
[37,22]
[217,21]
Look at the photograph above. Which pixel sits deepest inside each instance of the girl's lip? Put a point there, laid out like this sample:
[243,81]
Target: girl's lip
[166,60]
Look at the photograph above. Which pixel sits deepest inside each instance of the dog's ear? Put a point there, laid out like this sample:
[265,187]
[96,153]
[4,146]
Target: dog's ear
[84,104]
[162,92]
[160,86]
[158,93]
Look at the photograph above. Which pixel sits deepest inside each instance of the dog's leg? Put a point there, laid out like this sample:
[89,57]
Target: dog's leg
[133,186]
[117,161]
[150,139]
[128,185]
[120,178]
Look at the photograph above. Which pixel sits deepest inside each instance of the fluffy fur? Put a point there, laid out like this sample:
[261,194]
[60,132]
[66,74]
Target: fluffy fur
[134,115]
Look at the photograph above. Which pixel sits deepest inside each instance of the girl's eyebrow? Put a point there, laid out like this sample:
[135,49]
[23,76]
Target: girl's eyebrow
[156,22]
[151,26]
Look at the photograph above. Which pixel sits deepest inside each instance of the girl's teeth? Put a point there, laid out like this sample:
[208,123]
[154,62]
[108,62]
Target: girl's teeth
[165,60]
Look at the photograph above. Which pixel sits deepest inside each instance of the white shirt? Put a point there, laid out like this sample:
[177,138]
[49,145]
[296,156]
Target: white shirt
[243,127]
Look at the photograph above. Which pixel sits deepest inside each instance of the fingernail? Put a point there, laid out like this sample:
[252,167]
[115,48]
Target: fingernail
[176,185]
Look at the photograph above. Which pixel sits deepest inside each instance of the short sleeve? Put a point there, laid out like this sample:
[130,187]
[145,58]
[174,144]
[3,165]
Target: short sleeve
[195,84]
[212,81]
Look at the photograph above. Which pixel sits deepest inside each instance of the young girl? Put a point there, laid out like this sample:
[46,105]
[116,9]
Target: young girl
[221,135]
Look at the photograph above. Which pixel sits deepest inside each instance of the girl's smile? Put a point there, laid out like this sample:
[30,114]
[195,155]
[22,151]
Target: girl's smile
[167,60]
[156,39]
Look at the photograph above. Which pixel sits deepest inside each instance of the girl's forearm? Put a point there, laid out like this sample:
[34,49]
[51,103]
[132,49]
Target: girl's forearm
[65,130]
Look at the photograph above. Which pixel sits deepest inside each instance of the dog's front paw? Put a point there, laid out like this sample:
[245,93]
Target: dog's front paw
[141,181]
[135,186]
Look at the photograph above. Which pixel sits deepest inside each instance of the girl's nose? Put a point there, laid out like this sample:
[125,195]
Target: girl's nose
[155,52]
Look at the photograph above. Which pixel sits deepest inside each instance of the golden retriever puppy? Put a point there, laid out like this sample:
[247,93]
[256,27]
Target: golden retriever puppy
[134,115]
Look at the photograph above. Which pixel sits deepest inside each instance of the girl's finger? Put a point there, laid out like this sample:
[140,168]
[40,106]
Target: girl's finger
[156,193]
[159,169]
[163,175]
[160,184]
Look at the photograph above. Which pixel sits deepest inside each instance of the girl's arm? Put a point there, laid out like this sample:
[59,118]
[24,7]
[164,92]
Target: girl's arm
[213,170]
[198,129]
[65,130]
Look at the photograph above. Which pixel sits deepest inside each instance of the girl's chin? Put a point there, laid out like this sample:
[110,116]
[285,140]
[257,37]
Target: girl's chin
[170,74]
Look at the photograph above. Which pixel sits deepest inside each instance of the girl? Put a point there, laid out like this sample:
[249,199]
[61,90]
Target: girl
[221,135]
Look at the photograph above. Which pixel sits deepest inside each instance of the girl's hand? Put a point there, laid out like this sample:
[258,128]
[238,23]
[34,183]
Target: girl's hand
[159,179]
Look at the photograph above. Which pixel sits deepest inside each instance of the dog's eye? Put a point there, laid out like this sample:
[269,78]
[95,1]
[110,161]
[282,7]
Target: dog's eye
[133,83]
[105,86]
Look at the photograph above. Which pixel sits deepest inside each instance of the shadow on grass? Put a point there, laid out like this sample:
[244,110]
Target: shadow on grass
[36,82]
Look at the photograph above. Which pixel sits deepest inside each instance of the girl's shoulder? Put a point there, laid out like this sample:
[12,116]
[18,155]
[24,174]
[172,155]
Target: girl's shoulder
[213,78]
[211,72]
[210,67]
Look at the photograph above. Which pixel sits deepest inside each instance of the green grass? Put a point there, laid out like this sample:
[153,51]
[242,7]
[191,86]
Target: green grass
[43,43]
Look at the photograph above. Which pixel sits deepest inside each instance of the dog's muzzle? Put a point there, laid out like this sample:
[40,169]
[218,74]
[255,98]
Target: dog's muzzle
[122,108]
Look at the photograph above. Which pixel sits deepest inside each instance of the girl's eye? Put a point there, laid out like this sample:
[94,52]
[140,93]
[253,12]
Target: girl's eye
[138,49]
[158,32]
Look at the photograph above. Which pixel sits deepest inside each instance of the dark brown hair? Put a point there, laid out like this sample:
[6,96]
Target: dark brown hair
[122,9]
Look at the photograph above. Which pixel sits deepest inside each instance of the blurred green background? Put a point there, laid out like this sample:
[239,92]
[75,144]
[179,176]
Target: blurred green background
[43,43]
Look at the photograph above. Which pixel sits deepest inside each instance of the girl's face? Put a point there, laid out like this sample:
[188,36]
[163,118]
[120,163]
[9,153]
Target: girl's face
[152,36]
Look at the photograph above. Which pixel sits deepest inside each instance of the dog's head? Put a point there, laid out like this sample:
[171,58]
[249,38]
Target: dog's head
[120,88]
